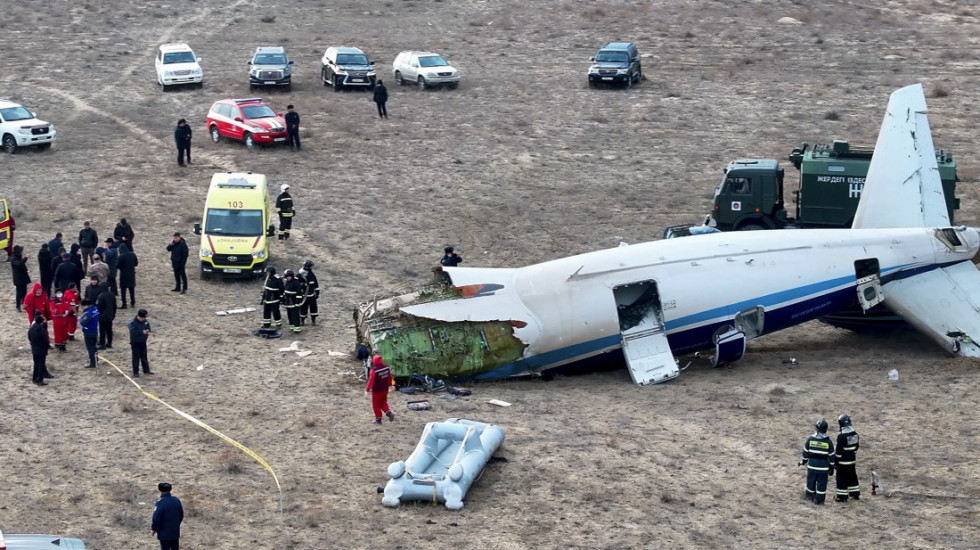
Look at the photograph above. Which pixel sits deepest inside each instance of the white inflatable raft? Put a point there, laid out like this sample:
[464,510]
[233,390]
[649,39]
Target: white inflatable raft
[444,465]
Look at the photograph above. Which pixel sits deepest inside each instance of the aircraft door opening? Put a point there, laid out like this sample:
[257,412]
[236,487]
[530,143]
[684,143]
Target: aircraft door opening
[868,274]
[641,324]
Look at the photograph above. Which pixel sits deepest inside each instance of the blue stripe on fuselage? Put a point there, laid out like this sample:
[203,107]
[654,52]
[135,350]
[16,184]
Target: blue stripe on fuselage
[821,302]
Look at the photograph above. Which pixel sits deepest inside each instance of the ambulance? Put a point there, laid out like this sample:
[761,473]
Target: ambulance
[6,228]
[236,227]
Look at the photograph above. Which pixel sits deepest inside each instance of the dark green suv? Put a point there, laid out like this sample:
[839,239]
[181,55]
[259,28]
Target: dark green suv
[616,63]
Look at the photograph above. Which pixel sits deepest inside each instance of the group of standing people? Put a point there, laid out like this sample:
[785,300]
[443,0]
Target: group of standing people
[822,458]
[298,292]
[111,273]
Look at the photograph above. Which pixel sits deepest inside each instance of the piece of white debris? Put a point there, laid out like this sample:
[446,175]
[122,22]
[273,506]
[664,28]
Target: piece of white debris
[333,353]
[292,347]
[234,311]
[200,367]
[498,403]
[304,352]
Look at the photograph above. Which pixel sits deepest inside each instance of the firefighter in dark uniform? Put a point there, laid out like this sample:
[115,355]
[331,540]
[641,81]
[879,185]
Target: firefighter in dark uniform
[271,294]
[284,207]
[818,455]
[292,298]
[847,447]
[312,291]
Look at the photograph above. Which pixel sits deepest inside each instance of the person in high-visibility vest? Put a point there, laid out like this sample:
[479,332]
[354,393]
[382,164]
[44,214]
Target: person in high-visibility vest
[818,455]
[847,447]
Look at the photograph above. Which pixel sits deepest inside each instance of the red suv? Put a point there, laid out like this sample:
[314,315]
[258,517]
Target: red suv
[248,120]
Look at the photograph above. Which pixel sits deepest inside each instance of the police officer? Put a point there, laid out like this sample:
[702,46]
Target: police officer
[312,291]
[271,294]
[292,298]
[284,207]
[847,446]
[818,455]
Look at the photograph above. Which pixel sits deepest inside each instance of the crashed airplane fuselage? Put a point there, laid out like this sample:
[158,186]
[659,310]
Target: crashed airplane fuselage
[661,298]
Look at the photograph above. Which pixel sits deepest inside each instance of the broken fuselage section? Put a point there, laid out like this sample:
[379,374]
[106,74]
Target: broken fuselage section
[419,345]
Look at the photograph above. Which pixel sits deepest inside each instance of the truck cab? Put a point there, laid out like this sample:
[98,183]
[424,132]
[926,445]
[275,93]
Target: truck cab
[236,226]
[750,196]
[832,177]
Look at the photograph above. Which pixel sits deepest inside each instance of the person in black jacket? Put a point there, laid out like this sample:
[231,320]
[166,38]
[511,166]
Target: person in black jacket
[167,517]
[106,302]
[848,443]
[178,260]
[311,288]
[139,332]
[64,272]
[123,234]
[44,267]
[381,97]
[75,256]
[88,239]
[38,336]
[126,267]
[112,259]
[182,135]
[292,127]
[18,268]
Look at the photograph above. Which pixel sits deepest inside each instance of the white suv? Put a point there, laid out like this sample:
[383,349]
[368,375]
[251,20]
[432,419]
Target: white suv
[424,69]
[21,128]
[176,64]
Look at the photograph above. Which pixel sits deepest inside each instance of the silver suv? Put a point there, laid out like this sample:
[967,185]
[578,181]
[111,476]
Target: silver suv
[347,67]
[270,67]
[425,70]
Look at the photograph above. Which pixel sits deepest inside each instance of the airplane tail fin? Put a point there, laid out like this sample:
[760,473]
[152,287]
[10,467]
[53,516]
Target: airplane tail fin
[903,187]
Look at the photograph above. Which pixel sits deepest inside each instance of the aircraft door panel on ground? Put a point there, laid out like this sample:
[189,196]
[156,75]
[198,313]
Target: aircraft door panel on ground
[645,345]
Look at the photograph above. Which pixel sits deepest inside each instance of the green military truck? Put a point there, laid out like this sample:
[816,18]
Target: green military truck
[750,196]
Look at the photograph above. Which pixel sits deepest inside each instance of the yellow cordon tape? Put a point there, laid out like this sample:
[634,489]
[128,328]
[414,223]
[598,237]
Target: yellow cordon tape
[241,447]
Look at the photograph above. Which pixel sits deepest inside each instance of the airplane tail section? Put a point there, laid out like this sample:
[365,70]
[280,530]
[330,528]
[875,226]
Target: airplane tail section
[903,187]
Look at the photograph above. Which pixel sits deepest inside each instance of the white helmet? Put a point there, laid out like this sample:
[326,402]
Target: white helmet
[284,187]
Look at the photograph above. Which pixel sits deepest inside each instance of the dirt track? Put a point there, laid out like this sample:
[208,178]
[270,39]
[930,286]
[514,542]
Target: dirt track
[522,164]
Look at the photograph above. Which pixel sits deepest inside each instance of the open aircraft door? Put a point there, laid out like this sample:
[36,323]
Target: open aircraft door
[868,276]
[6,229]
[645,346]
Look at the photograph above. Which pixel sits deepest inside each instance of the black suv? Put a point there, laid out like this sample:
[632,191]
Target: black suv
[615,63]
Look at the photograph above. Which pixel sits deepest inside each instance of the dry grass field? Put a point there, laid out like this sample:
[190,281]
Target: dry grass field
[523,163]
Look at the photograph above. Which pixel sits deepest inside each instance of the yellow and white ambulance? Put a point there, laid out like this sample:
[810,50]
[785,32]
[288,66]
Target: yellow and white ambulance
[236,226]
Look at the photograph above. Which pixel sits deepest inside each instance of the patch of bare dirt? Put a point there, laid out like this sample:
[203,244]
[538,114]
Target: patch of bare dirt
[523,163]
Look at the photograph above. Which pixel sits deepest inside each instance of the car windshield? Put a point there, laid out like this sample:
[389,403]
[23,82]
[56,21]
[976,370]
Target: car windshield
[269,59]
[178,57]
[241,223]
[612,57]
[15,113]
[258,111]
[432,61]
[352,59]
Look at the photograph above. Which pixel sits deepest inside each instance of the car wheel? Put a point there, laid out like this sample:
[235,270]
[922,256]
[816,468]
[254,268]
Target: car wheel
[163,87]
[751,227]
[454,85]
[323,76]
[10,144]
[337,85]
[249,140]
[639,73]
[251,86]
[629,81]
[421,83]
[398,78]
[215,136]
[44,147]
